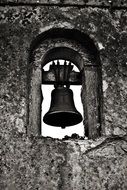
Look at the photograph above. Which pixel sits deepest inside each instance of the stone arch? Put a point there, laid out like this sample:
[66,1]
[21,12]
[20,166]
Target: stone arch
[69,34]
[81,48]
[64,53]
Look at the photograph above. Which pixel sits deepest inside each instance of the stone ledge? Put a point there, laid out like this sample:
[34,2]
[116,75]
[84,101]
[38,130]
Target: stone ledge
[45,163]
[103,3]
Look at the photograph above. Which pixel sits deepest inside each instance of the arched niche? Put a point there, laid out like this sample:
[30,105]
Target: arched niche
[64,53]
[78,48]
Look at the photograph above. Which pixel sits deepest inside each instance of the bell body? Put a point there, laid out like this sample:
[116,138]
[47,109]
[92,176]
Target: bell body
[62,112]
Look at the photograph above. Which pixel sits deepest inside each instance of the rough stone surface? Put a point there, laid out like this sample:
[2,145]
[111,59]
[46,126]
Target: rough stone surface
[103,3]
[44,163]
[19,26]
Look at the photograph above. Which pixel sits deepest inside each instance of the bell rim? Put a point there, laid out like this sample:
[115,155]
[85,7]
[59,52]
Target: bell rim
[80,118]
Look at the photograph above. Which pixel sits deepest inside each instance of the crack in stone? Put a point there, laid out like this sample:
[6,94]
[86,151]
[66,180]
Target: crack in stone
[107,141]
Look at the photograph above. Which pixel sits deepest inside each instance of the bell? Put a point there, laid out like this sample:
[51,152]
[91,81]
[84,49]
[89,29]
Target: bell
[62,112]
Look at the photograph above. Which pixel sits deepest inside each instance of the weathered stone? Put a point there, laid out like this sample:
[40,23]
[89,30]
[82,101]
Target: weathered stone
[109,30]
[45,163]
[100,3]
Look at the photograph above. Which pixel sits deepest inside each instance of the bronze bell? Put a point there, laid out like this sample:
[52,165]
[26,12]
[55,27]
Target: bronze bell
[62,110]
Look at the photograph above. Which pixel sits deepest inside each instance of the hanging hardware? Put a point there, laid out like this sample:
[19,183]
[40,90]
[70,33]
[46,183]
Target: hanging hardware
[62,111]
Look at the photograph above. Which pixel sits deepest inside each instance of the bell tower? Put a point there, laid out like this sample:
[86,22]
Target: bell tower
[91,35]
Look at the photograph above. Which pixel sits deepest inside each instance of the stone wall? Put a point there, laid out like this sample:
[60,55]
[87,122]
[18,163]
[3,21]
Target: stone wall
[101,3]
[28,162]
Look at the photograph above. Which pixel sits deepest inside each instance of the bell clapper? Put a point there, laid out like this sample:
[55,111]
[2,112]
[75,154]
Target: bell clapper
[63,127]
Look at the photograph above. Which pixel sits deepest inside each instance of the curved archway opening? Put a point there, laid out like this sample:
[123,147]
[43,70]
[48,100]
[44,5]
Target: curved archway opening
[79,49]
[63,53]
[68,34]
